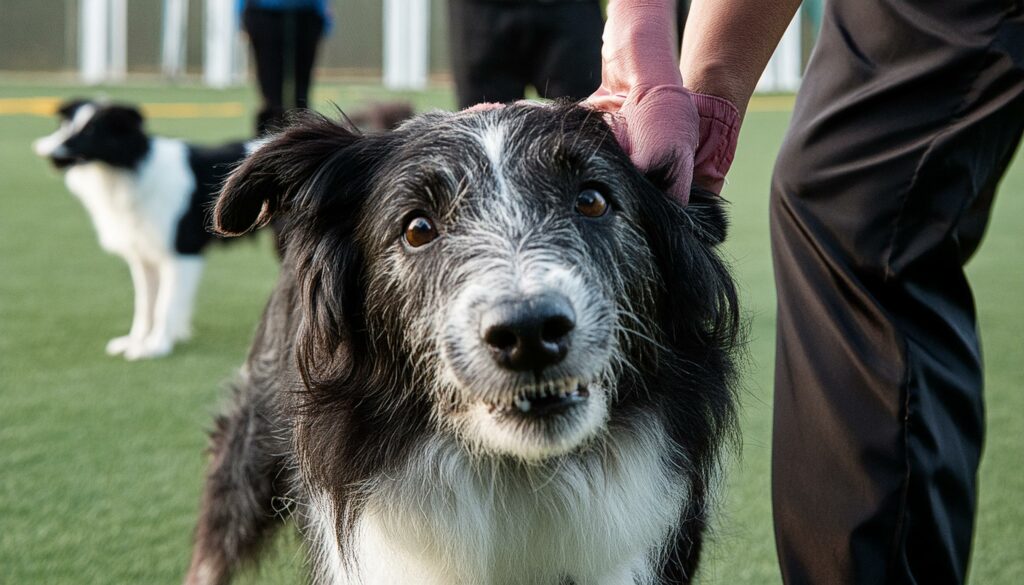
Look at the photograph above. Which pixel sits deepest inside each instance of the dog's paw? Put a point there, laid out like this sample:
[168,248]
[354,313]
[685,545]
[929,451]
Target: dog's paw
[150,348]
[120,345]
[183,334]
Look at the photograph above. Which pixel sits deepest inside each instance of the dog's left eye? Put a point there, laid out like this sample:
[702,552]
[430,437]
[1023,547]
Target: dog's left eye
[420,231]
[591,203]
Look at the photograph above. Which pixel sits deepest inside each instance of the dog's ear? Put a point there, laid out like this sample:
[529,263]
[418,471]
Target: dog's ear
[68,108]
[704,210]
[707,214]
[697,283]
[123,118]
[276,171]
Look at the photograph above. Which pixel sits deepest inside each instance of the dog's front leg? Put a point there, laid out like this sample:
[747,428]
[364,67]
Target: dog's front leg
[178,281]
[244,496]
[144,282]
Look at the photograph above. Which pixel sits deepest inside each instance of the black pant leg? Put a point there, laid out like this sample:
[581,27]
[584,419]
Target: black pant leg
[284,46]
[568,62]
[266,36]
[908,115]
[488,51]
[309,31]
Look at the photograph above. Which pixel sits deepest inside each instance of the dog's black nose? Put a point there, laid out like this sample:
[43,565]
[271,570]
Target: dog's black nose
[529,334]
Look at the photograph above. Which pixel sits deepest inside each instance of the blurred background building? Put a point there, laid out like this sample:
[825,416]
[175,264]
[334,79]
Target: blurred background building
[401,42]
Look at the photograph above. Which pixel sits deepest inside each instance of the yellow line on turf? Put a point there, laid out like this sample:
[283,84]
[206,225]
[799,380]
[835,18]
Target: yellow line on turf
[34,106]
[47,106]
[191,110]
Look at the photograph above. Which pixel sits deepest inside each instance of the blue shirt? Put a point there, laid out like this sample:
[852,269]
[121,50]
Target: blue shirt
[320,6]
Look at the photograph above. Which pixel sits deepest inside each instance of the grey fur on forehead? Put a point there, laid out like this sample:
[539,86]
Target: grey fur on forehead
[526,116]
[512,143]
[523,131]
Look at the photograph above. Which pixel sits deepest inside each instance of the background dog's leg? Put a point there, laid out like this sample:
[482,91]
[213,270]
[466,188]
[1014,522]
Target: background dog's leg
[242,500]
[144,281]
[172,316]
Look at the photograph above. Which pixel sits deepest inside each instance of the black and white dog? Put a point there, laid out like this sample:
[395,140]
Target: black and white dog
[148,198]
[497,354]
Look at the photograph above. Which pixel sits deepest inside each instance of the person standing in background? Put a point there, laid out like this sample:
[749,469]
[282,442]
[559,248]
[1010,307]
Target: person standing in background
[499,47]
[284,35]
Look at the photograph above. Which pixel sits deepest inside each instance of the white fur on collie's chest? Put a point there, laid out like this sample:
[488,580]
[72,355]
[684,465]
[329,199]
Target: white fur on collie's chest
[602,519]
[136,212]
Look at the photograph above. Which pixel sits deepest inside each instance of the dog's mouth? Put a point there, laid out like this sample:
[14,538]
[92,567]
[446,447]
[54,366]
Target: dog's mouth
[540,401]
[537,421]
[63,162]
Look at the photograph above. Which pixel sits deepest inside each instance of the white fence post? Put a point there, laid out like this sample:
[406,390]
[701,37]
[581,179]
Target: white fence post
[118,57]
[217,46]
[406,43]
[223,57]
[93,44]
[784,70]
[172,51]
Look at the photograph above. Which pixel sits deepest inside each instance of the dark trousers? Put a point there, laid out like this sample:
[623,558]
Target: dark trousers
[284,44]
[909,114]
[499,47]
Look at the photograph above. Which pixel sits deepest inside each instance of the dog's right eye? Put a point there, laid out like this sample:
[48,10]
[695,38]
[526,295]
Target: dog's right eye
[420,231]
[591,203]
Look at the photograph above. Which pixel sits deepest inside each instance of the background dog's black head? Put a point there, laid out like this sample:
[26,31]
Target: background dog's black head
[503,278]
[95,132]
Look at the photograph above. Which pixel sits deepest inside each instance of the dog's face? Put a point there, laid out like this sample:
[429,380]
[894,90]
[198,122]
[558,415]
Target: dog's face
[94,132]
[494,247]
[503,265]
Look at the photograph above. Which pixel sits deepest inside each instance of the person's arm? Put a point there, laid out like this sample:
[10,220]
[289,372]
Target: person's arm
[727,44]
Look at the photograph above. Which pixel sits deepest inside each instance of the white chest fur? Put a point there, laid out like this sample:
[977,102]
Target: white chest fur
[136,212]
[601,519]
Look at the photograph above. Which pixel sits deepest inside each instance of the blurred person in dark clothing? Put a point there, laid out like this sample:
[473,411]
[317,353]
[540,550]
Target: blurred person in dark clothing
[499,47]
[284,35]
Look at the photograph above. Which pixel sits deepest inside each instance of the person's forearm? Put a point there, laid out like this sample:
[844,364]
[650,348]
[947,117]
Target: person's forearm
[728,43]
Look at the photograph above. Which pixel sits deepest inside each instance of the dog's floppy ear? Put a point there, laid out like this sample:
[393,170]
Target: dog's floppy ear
[704,210]
[68,108]
[123,118]
[707,213]
[272,175]
[685,244]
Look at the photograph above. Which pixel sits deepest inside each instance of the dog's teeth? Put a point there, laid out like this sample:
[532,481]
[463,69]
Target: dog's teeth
[523,404]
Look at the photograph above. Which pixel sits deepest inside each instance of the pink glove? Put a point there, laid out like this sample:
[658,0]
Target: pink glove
[655,119]
[719,130]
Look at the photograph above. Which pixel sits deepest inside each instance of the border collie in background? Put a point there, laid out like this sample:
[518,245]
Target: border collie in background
[496,354]
[148,198]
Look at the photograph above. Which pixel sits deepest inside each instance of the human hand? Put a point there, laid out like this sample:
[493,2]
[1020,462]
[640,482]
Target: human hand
[654,118]
[656,126]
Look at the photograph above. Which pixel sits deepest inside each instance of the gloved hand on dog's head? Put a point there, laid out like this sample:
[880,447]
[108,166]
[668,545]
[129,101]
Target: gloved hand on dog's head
[656,120]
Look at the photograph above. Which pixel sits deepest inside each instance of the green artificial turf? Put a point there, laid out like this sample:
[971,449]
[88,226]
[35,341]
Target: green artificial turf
[101,460]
